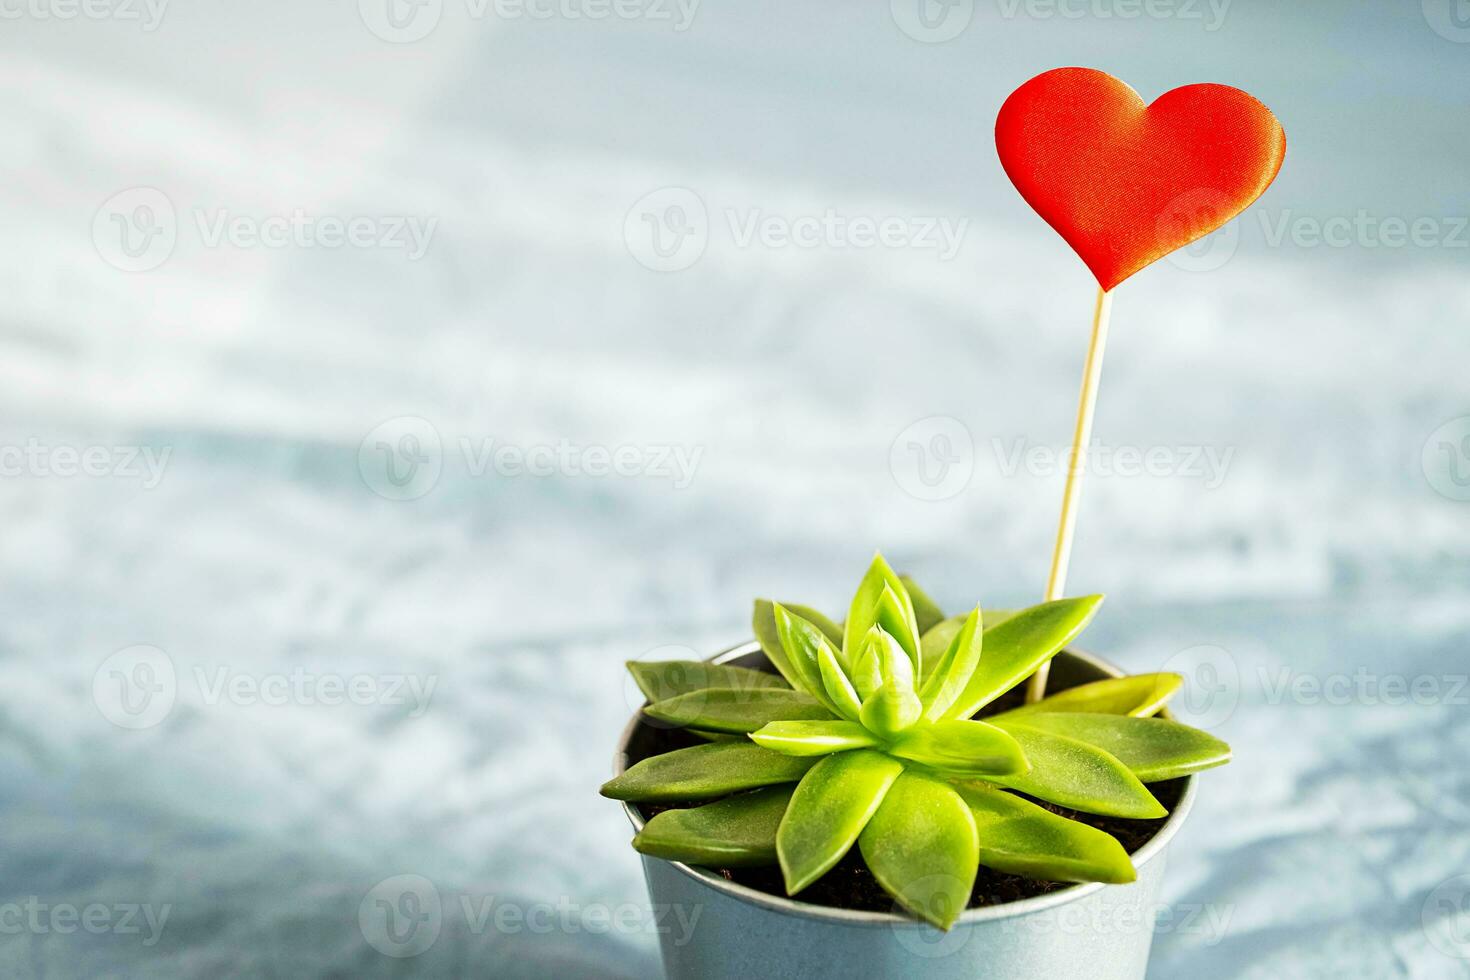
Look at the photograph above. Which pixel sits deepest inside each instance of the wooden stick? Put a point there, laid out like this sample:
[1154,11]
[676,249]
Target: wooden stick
[1056,582]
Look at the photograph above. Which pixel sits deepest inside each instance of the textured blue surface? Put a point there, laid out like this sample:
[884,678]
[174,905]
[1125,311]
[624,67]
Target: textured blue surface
[1316,564]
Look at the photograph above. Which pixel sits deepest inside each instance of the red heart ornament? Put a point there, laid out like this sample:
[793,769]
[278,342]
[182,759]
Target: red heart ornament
[1127,183]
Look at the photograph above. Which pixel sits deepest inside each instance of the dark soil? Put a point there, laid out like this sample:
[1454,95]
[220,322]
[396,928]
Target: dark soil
[850,885]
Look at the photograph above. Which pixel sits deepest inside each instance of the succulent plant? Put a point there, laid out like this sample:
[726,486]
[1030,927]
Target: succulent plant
[869,737]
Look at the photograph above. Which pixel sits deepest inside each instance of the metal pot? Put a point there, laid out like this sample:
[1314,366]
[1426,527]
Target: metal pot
[1098,931]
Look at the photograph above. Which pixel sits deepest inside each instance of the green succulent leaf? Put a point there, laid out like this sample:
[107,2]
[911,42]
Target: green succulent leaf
[867,670]
[829,809]
[704,772]
[867,605]
[1015,647]
[953,670]
[897,618]
[732,711]
[935,641]
[921,846]
[969,747]
[839,689]
[926,611]
[893,704]
[763,622]
[813,737]
[891,709]
[1140,695]
[1077,775]
[660,680]
[736,832]
[1020,838]
[1153,748]
[802,642]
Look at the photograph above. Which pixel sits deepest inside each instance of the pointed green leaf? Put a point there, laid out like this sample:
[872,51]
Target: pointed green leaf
[1153,748]
[829,629]
[898,620]
[830,807]
[1017,646]
[801,641]
[954,669]
[863,615]
[894,664]
[1140,695]
[921,846]
[660,680]
[813,737]
[736,832]
[1077,775]
[722,709]
[936,640]
[926,610]
[763,622]
[971,747]
[1020,838]
[890,709]
[704,772]
[839,689]
[867,672]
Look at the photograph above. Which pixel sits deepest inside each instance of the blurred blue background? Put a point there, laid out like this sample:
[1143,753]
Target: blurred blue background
[377,379]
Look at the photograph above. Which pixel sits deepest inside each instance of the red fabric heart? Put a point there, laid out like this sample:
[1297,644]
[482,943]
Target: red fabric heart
[1127,183]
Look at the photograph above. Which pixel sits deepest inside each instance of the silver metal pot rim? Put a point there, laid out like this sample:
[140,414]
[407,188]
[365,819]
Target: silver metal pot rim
[827,913]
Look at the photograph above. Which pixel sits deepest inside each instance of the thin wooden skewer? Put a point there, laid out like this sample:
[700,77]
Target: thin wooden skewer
[1056,582]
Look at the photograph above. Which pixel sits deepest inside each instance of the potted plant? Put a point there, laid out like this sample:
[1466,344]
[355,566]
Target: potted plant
[876,798]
